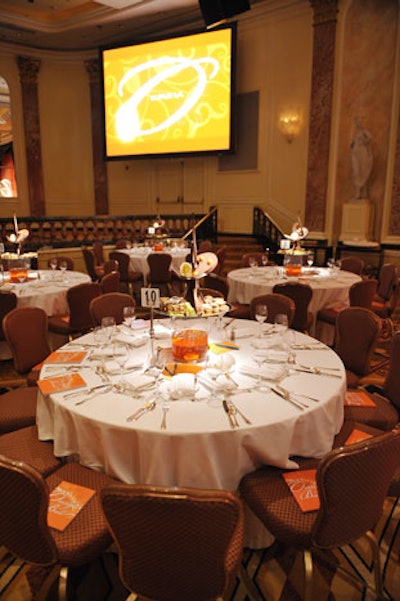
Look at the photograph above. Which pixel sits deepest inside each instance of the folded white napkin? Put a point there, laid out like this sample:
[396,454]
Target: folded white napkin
[137,381]
[133,363]
[244,332]
[273,355]
[182,386]
[101,353]
[112,367]
[134,340]
[267,372]
[161,332]
[222,362]
[267,342]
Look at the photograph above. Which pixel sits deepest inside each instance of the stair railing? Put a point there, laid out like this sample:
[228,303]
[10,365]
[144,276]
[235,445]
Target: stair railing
[266,230]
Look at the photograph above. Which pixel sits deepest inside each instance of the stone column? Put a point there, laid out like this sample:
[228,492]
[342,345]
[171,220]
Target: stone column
[99,165]
[28,73]
[325,12]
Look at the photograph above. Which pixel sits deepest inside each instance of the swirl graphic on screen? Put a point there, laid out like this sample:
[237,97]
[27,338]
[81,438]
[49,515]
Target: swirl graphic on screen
[128,121]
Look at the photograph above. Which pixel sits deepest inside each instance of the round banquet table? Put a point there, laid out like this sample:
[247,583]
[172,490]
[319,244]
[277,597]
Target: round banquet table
[45,289]
[138,258]
[330,287]
[199,448]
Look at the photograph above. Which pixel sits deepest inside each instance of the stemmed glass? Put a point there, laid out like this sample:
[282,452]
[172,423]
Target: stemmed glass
[253,264]
[310,259]
[281,323]
[53,264]
[129,315]
[261,314]
[264,258]
[63,269]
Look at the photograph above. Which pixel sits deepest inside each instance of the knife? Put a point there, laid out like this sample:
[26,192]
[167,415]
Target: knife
[85,390]
[104,390]
[289,400]
[317,372]
[226,409]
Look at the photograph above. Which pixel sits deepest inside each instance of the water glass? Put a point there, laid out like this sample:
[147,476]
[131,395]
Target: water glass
[129,315]
[281,323]
[261,314]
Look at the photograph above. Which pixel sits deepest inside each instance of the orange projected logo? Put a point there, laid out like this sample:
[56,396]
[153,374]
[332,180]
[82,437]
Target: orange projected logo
[169,96]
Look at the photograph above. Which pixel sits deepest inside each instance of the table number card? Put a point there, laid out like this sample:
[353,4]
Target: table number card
[66,501]
[303,486]
[358,399]
[60,383]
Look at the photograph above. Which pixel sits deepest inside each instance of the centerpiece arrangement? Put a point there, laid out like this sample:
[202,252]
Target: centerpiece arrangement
[18,264]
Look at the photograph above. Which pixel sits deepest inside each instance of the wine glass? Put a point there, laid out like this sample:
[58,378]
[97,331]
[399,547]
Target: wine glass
[129,316]
[253,264]
[310,259]
[261,314]
[281,323]
[53,264]
[264,258]
[108,325]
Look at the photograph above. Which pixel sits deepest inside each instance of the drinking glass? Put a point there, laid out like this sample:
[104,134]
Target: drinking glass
[53,263]
[264,258]
[108,325]
[310,259]
[129,315]
[281,323]
[261,314]
[253,264]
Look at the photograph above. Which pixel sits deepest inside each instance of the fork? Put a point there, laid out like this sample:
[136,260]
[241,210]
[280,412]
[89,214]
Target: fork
[240,413]
[165,408]
[149,406]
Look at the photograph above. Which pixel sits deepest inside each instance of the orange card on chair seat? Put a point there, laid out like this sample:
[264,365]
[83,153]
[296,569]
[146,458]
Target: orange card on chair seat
[303,486]
[66,501]
[66,357]
[356,436]
[61,383]
[358,398]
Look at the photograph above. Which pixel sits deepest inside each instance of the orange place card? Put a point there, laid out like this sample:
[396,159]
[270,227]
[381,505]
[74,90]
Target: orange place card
[60,383]
[66,501]
[172,369]
[358,399]
[357,436]
[66,357]
[303,487]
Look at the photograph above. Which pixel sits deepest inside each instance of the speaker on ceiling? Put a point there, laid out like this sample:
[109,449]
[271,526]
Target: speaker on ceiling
[215,11]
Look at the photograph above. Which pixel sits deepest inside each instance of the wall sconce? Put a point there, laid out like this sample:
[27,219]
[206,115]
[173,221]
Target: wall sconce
[290,124]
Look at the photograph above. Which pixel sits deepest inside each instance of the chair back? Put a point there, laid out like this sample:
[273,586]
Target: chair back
[357,332]
[98,251]
[123,244]
[353,482]
[8,302]
[217,282]
[193,537]
[387,280]
[159,267]
[110,282]
[90,263]
[276,303]
[247,256]
[221,256]
[205,246]
[352,264]
[361,294]
[68,261]
[123,264]
[25,329]
[79,298]
[301,294]
[110,304]
[110,265]
[391,386]
[23,513]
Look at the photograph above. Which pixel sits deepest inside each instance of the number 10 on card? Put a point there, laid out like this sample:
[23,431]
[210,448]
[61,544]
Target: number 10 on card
[150,297]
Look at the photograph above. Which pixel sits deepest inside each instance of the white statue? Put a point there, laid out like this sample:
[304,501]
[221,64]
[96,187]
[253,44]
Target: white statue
[361,159]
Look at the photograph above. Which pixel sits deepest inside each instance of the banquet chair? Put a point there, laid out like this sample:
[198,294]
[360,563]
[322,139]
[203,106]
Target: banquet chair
[8,302]
[386,412]
[160,272]
[352,264]
[98,251]
[24,530]
[221,256]
[110,304]
[357,332]
[247,256]
[110,282]
[128,277]
[301,294]
[123,244]
[24,445]
[205,246]
[95,271]
[361,294]
[79,320]
[276,303]
[26,331]
[175,544]
[68,261]
[110,265]
[18,409]
[387,294]
[351,500]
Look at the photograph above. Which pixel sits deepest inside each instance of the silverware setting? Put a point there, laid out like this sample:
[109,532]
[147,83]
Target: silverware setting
[97,393]
[86,390]
[296,394]
[237,411]
[230,413]
[287,397]
[165,408]
[148,406]
[316,371]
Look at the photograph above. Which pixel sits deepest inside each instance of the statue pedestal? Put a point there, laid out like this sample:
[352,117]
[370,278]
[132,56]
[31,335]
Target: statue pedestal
[357,222]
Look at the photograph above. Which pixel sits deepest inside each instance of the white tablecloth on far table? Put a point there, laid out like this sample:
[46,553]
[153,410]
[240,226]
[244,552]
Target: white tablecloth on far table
[198,448]
[138,258]
[329,288]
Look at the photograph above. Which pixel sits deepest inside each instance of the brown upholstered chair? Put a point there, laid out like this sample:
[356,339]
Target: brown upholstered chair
[79,319]
[110,304]
[357,332]
[95,271]
[18,408]
[24,445]
[217,282]
[387,294]
[352,264]
[386,413]
[8,302]
[276,303]
[26,329]
[221,256]
[361,294]
[128,277]
[110,282]
[24,506]
[205,246]
[351,500]
[123,244]
[110,265]
[62,260]
[160,272]
[98,251]
[193,536]
[247,256]
[301,294]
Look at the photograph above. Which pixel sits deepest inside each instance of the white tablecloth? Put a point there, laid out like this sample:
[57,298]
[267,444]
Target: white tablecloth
[46,289]
[329,288]
[198,448]
[138,258]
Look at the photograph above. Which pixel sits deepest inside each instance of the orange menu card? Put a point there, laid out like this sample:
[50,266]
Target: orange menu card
[356,436]
[66,357]
[358,398]
[60,383]
[303,487]
[66,501]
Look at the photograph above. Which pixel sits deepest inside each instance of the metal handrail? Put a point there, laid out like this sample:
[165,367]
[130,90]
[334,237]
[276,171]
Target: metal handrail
[200,222]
